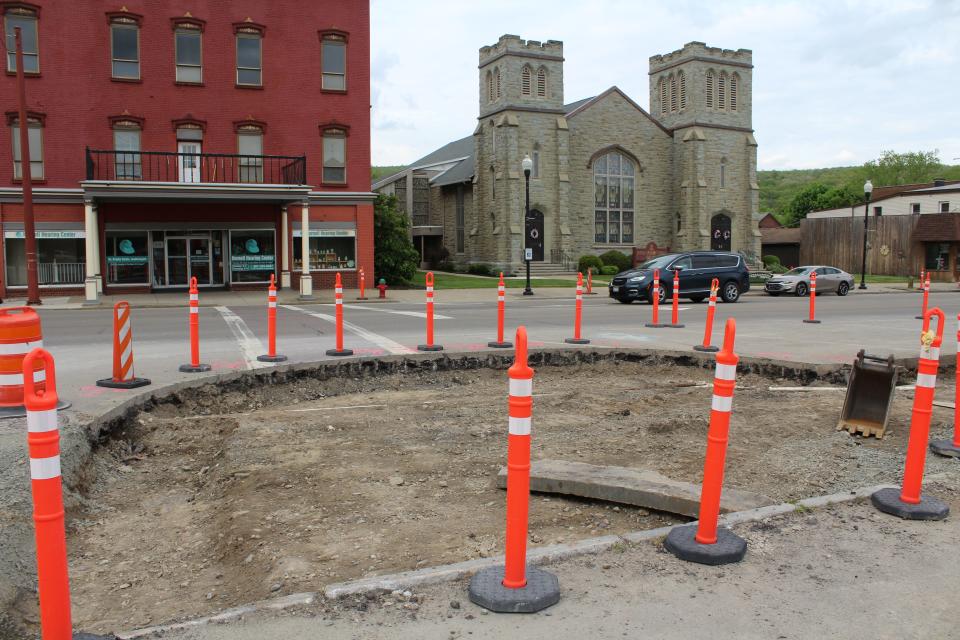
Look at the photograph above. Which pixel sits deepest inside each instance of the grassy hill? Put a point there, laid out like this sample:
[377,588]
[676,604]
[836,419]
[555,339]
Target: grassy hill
[382,172]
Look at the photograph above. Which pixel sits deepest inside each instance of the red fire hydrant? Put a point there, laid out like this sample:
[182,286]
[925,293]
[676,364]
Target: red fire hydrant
[382,286]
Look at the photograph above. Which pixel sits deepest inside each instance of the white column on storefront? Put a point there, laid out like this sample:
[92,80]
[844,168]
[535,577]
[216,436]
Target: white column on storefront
[90,253]
[284,249]
[306,284]
[96,251]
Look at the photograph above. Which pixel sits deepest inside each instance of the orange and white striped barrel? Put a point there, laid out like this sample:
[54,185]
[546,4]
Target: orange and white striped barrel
[520,407]
[724,381]
[43,439]
[122,342]
[20,333]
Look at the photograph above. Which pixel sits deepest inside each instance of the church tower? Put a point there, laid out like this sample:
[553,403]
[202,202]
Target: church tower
[704,94]
[520,113]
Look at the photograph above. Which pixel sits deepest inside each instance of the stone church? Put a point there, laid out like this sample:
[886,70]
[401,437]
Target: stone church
[606,173]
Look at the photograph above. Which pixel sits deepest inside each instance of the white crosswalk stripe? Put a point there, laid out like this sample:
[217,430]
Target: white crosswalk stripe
[250,345]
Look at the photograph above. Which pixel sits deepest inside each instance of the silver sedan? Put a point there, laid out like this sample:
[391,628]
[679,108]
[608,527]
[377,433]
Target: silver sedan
[797,281]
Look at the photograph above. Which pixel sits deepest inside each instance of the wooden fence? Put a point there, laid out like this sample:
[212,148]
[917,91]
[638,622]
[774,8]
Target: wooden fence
[838,242]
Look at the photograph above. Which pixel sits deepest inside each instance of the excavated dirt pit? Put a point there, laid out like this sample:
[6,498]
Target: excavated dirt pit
[232,496]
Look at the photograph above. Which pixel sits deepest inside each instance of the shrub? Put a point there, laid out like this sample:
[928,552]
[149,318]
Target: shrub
[395,258]
[777,268]
[438,257]
[618,259]
[589,262]
[609,270]
[479,269]
[449,267]
[769,261]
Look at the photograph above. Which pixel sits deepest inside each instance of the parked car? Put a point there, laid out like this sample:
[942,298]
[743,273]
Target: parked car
[697,270]
[797,281]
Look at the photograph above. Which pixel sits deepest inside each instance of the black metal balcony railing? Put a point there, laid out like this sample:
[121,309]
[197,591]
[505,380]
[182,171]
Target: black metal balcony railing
[162,166]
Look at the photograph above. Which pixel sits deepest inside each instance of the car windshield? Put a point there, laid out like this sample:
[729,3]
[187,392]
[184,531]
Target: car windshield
[657,263]
[799,271]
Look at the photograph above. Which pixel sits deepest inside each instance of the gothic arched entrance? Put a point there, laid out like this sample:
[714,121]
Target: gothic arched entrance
[534,234]
[720,232]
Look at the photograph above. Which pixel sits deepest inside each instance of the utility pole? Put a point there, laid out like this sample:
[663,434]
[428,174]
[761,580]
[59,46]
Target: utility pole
[26,173]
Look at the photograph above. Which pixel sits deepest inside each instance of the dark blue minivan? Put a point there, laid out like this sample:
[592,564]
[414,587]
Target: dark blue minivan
[697,270]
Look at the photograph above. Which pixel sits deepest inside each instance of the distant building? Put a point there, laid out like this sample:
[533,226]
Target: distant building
[779,241]
[939,196]
[606,174]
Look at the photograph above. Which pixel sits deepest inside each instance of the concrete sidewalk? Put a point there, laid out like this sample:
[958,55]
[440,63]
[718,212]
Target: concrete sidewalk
[845,571]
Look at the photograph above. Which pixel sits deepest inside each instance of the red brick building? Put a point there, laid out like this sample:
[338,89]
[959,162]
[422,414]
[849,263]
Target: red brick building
[189,138]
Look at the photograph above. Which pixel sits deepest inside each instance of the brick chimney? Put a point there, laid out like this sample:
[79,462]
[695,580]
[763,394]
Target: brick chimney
[939,182]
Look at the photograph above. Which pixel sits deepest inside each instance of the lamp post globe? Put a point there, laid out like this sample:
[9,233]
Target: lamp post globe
[527,165]
[867,192]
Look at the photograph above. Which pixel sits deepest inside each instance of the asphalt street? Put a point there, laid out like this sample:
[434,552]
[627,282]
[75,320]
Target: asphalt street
[232,336]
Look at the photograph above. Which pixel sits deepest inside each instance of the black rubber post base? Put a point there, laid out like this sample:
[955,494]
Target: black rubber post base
[276,358]
[500,345]
[710,349]
[541,591]
[812,321]
[655,325]
[89,636]
[362,298]
[21,411]
[929,508]
[675,326]
[429,347]
[945,448]
[340,352]
[918,317]
[189,368]
[729,547]
[132,383]
[576,341]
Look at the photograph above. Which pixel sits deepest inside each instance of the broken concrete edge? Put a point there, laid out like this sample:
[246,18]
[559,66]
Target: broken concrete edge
[536,556]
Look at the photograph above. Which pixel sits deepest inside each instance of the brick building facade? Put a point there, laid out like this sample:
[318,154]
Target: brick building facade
[170,140]
[606,173]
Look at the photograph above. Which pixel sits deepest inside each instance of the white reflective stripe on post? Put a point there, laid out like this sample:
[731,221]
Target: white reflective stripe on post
[194,297]
[520,426]
[712,303]
[429,289]
[726,372]
[194,309]
[926,380]
[579,297]
[7,379]
[42,421]
[45,468]
[338,290]
[722,403]
[124,331]
[339,301]
[930,353]
[19,348]
[272,304]
[521,388]
[127,354]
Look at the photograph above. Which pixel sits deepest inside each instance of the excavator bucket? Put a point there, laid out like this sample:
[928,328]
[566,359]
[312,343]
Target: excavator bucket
[866,409]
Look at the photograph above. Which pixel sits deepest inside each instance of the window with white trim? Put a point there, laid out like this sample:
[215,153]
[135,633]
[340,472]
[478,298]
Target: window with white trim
[250,148]
[188,53]
[915,208]
[333,61]
[249,58]
[35,140]
[944,207]
[26,20]
[125,48]
[126,137]
[334,156]
[614,177]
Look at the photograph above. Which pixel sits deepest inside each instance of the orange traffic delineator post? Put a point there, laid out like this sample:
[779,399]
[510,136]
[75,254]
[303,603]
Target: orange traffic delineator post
[123,371]
[194,366]
[499,343]
[430,346]
[907,502]
[578,315]
[951,448]
[655,300]
[675,311]
[43,440]
[926,300]
[363,286]
[516,587]
[590,291]
[271,355]
[708,329]
[813,300]
[706,542]
[338,300]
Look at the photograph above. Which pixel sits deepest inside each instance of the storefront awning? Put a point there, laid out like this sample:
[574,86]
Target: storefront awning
[937,227]
[185,191]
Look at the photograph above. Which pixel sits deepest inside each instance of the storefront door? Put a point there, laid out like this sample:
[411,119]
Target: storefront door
[186,257]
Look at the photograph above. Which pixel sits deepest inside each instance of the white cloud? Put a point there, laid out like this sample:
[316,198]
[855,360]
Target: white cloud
[835,81]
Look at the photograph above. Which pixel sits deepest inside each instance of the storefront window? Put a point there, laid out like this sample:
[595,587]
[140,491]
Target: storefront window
[938,256]
[330,249]
[60,258]
[252,256]
[127,257]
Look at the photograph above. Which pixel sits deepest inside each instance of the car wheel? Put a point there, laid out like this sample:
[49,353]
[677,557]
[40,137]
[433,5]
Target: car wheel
[627,301]
[773,294]
[663,295]
[730,292]
[801,289]
[697,299]
[843,289]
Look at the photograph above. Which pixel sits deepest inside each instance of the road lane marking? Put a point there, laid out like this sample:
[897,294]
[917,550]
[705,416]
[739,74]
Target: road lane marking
[412,314]
[250,345]
[383,342]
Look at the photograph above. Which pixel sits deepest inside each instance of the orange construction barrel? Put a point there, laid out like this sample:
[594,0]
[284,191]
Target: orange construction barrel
[20,333]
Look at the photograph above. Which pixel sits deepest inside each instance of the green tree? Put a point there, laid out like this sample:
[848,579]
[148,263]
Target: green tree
[904,168]
[395,258]
[817,197]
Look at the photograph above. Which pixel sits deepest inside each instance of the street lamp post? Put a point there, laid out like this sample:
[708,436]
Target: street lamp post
[527,165]
[867,191]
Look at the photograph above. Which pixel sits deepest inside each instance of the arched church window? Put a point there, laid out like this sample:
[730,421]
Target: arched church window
[525,79]
[614,178]
[734,85]
[496,80]
[663,95]
[683,90]
[673,92]
[541,83]
[709,89]
[723,173]
[489,86]
[722,91]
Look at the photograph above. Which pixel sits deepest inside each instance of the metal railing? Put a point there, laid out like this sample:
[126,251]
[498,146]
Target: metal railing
[163,166]
[60,272]
[562,258]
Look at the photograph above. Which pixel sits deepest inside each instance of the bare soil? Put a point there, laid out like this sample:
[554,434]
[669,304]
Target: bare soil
[244,496]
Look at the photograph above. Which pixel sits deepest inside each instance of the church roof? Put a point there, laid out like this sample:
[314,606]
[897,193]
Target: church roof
[583,105]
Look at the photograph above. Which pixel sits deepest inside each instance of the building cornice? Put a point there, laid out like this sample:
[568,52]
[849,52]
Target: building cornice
[46,194]
[706,125]
[718,61]
[520,54]
[520,108]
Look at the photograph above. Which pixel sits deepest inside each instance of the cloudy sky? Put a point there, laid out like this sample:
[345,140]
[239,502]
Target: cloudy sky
[835,82]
